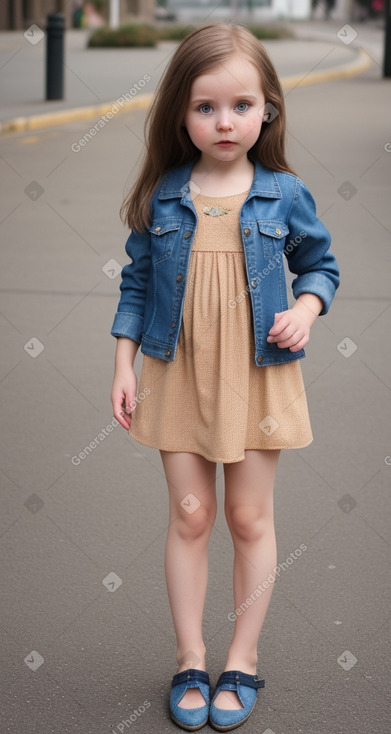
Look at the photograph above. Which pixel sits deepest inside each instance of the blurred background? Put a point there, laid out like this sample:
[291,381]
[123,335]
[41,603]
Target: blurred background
[19,14]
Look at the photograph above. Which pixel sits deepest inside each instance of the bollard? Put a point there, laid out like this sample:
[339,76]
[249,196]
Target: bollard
[55,56]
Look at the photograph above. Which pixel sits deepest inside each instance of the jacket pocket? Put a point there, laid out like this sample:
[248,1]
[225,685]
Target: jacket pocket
[273,234]
[163,234]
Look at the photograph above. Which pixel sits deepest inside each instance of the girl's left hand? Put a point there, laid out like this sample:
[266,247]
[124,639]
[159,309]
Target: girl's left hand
[290,329]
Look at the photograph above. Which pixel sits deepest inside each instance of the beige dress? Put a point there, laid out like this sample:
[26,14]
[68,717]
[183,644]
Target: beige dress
[212,399]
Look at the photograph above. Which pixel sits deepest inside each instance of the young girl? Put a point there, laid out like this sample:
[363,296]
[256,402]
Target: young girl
[213,211]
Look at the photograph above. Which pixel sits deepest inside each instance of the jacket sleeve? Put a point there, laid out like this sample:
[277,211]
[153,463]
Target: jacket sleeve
[129,319]
[307,251]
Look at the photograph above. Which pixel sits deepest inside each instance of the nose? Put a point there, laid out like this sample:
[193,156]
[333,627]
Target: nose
[224,121]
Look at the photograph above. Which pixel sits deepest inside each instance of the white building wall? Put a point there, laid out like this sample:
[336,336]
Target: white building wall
[302,9]
[292,9]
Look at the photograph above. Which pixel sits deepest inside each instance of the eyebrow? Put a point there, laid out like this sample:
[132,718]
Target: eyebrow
[235,96]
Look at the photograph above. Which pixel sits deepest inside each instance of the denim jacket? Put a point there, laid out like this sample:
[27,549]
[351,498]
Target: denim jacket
[277,218]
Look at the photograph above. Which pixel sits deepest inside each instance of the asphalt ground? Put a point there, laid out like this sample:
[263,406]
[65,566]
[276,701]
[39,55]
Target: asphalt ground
[96,76]
[87,636]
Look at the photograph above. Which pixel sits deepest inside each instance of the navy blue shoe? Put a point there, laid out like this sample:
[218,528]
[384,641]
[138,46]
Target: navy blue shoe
[189,719]
[245,686]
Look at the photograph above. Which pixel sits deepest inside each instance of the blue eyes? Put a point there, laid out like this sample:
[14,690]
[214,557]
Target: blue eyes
[206,109]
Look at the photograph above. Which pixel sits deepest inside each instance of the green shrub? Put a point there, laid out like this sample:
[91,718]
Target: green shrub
[127,35]
[145,35]
[178,32]
[266,32]
[175,32]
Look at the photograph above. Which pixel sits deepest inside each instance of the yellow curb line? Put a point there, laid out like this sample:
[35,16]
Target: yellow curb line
[35,122]
[344,71]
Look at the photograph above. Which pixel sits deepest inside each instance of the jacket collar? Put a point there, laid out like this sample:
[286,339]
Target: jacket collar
[176,183]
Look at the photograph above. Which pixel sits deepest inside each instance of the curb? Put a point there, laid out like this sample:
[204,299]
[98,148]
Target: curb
[51,119]
[344,71]
[36,122]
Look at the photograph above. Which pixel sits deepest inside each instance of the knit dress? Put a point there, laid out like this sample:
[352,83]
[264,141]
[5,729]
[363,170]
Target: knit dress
[212,399]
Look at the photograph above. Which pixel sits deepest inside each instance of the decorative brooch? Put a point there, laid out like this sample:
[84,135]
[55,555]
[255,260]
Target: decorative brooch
[214,211]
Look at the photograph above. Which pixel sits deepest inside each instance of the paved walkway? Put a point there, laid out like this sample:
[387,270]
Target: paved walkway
[96,76]
[87,638]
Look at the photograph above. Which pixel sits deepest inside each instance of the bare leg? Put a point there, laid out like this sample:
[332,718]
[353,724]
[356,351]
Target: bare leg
[250,516]
[191,480]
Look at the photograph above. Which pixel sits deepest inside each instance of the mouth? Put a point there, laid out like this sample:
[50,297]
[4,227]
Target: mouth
[225,143]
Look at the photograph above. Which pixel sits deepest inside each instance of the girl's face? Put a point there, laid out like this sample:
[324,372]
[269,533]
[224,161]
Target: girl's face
[225,110]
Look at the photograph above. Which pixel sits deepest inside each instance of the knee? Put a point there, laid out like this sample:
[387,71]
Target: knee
[247,523]
[194,523]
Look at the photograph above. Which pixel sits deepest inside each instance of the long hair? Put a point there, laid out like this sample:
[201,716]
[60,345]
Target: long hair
[168,144]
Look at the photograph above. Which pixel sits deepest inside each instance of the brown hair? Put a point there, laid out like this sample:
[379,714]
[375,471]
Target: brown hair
[168,144]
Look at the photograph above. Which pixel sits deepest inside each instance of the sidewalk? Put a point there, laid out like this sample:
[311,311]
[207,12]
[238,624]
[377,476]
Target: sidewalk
[94,78]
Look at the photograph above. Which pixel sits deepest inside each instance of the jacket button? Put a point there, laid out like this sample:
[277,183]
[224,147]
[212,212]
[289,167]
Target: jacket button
[173,323]
[187,235]
[247,231]
[259,358]
[168,352]
[158,229]
[179,278]
[254,283]
[278,231]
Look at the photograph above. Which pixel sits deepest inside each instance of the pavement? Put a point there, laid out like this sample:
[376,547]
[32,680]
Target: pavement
[94,79]
[87,638]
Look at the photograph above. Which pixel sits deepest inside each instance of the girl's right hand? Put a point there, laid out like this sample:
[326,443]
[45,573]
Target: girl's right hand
[123,396]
